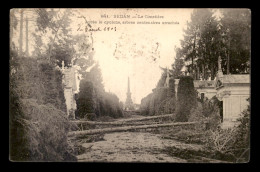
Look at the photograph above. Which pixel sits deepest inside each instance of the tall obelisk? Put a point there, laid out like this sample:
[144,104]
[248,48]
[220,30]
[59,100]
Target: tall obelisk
[128,103]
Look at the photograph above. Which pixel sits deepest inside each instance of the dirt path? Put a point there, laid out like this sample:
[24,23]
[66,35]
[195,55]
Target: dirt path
[129,147]
[132,147]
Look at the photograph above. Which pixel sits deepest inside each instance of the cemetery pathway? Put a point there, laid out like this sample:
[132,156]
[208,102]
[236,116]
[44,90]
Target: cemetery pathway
[128,147]
[131,147]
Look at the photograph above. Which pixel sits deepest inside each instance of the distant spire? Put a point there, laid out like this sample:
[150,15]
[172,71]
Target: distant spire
[128,86]
[128,102]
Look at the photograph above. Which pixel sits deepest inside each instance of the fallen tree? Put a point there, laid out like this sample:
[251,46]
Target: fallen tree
[121,122]
[127,128]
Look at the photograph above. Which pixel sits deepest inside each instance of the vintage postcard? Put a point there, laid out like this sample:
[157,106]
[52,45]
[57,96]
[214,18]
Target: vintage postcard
[130,85]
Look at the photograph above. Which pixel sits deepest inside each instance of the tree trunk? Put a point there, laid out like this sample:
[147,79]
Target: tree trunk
[27,45]
[212,71]
[21,34]
[203,71]
[11,25]
[198,73]
[192,59]
[228,58]
[124,121]
[128,128]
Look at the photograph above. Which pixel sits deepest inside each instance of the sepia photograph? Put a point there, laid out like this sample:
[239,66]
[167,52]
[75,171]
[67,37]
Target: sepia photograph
[129,85]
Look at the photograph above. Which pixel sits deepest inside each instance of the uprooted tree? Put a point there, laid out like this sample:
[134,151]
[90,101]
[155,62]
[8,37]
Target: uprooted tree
[38,122]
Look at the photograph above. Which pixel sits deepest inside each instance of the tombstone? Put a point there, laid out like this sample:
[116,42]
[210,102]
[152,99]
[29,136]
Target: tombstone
[233,90]
[70,88]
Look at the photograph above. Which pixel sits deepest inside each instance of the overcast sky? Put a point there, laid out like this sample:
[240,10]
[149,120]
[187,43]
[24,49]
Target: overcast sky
[133,50]
[137,50]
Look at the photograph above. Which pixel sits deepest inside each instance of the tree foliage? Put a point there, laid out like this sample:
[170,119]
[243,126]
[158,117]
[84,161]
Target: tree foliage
[85,103]
[110,106]
[207,37]
[162,100]
[162,79]
[242,138]
[186,98]
[38,106]
[53,40]
[38,124]
[206,110]
[178,64]
[95,76]
[236,31]
[200,46]
[92,97]
[233,142]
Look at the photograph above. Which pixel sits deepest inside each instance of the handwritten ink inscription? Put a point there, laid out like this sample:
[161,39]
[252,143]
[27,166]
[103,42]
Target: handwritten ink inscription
[92,29]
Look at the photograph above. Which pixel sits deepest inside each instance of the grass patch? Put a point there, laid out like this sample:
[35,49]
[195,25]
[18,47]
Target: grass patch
[191,137]
[201,155]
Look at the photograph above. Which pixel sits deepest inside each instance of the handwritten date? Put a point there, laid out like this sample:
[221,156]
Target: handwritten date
[90,29]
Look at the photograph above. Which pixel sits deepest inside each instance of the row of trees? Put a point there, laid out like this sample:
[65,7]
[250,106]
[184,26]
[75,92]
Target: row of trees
[37,109]
[232,144]
[38,120]
[53,38]
[206,39]
[212,33]
[92,100]
[162,100]
[55,42]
